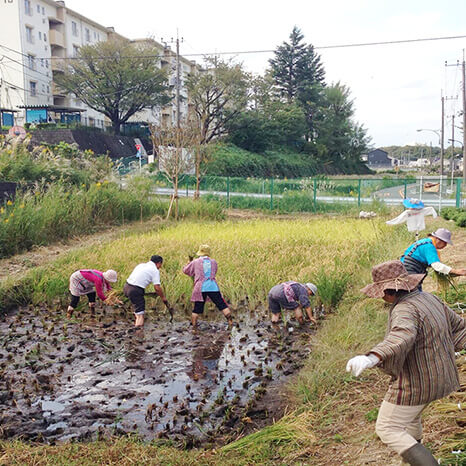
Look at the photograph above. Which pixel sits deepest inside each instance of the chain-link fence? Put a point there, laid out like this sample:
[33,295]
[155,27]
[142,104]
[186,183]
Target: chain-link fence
[433,191]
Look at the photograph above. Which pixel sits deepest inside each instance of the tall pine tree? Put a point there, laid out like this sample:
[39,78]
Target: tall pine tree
[299,76]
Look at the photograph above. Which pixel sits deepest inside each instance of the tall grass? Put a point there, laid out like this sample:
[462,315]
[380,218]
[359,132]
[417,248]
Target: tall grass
[56,211]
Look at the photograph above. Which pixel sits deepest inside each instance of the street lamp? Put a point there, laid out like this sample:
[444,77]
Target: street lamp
[440,140]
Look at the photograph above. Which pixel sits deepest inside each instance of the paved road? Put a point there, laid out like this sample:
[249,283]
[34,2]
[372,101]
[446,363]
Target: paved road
[392,196]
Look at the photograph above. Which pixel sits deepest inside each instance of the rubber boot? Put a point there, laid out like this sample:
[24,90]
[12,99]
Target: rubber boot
[419,455]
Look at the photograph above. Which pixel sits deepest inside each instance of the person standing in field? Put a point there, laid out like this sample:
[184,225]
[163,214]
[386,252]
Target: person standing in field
[90,282]
[418,352]
[294,296]
[424,253]
[135,287]
[203,270]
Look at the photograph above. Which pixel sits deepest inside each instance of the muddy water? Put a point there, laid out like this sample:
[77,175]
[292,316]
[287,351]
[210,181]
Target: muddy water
[78,379]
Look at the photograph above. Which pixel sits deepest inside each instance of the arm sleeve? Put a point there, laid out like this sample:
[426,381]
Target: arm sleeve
[458,328]
[397,220]
[441,268]
[188,269]
[99,288]
[303,297]
[430,253]
[430,211]
[156,278]
[399,340]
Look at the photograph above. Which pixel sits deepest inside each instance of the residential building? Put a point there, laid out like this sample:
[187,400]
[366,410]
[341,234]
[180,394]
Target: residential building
[36,36]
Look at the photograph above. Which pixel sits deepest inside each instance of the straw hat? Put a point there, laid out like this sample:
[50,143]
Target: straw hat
[312,287]
[204,250]
[391,275]
[111,276]
[413,203]
[443,234]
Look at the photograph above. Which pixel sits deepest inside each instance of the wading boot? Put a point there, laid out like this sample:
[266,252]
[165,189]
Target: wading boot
[419,455]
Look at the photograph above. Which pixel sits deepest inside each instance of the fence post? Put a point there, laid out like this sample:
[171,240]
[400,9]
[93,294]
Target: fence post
[315,191]
[359,192]
[271,193]
[228,191]
[406,188]
[458,192]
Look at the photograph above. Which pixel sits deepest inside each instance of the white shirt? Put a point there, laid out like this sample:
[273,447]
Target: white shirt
[414,218]
[144,274]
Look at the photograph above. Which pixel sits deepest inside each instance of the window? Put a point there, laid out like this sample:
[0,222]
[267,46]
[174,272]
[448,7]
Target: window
[43,87]
[88,35]
[33,88]
[46,63]
[42,62]
[74,28]
[45,37]
[29,36]
[38,8]
[27,7]
[43,10]
[75,50]
[48,89]
[31,62]
[40,35]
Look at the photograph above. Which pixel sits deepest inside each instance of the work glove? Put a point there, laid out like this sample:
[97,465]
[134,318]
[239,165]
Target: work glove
[359,363]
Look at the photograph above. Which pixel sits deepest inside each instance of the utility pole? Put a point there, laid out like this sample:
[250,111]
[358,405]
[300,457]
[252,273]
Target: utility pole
[178,84]
[442,136]
[464,122]
[452,160]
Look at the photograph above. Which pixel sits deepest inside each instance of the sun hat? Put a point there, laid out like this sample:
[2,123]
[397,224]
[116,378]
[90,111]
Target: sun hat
[413,203]
[312,287]
[391,275]
[204,250]
[443,234]
[111,276]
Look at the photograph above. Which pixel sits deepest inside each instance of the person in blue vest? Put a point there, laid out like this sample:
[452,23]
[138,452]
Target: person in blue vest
[424,253]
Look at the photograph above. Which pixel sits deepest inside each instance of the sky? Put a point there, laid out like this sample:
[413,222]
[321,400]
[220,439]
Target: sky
[396,88]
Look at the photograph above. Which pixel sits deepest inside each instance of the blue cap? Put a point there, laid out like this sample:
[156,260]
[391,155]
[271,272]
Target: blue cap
[413,203]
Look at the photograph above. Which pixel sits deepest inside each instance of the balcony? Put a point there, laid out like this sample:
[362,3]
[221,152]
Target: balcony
[56,38]
[57,92]
[58,66]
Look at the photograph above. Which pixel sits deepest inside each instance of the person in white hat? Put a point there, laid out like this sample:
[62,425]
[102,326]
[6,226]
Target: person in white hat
[424,253]
[418,352]
[90,282]
[294,296]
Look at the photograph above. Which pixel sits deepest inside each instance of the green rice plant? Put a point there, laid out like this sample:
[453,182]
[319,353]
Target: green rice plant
[331,285]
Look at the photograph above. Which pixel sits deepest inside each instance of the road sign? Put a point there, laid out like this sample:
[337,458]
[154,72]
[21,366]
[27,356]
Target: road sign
[139,151]
[17,132]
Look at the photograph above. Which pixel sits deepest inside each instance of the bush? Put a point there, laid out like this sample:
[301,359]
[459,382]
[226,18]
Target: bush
[455,214]
[331,286]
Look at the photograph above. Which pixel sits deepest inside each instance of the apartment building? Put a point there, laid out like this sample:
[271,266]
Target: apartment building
[35,38]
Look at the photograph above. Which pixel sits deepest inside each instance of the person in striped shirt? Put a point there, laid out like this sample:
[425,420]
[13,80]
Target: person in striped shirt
[418,352]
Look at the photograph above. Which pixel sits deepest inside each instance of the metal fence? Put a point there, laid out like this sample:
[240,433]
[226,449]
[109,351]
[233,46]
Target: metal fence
[433,191]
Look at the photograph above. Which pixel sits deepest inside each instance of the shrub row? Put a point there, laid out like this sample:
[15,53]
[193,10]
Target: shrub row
[453,213]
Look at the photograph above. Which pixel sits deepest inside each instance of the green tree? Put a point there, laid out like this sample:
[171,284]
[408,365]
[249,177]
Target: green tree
[117,78]
[338,136]
[299,76]
[217,94]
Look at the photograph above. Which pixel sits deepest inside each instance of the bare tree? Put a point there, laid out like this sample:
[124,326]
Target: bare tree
[174,147]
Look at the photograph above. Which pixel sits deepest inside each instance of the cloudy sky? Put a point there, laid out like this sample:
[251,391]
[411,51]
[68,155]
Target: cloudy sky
[396,88]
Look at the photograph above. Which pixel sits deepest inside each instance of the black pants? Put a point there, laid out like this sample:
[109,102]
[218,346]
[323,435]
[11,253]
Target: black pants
[216,298]
[75,299]
[136,296]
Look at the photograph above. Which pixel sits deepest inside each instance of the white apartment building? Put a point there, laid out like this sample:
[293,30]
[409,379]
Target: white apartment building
[35,37]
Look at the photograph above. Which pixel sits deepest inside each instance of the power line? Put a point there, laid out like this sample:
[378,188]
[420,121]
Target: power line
[245,52]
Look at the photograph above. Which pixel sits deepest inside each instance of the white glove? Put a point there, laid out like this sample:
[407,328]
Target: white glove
[359,363]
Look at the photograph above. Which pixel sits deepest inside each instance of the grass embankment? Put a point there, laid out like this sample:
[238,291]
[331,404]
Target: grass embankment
[333,415]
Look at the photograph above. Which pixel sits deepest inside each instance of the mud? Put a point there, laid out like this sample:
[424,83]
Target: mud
[69,380]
